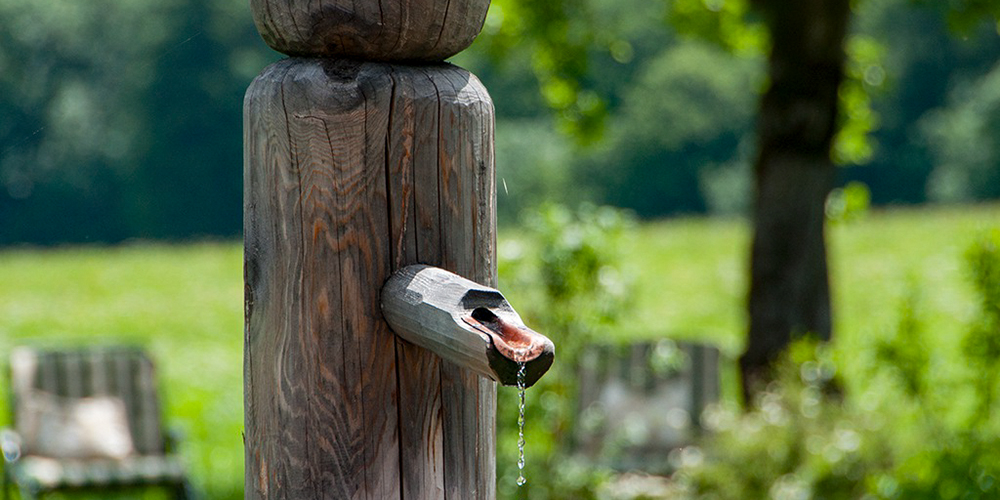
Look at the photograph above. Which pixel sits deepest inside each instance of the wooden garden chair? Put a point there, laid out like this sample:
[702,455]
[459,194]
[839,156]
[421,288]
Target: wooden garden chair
[639,401]
[87,420]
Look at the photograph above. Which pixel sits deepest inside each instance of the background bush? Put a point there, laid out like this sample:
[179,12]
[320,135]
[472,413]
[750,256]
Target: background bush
[906,429]
[568,262]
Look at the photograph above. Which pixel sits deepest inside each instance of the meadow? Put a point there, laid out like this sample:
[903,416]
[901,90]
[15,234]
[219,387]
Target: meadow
[183,302]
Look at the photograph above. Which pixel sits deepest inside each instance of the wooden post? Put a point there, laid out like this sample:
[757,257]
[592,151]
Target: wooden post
[407,30]
[354,169]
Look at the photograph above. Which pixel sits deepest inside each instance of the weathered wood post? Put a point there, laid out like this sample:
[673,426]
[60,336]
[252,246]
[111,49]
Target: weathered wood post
[365,154]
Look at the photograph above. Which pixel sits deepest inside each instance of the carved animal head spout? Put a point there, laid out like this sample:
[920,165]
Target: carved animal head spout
[466,323]
[512,343]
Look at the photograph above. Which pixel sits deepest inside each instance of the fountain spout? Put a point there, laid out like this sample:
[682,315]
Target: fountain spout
[465,323]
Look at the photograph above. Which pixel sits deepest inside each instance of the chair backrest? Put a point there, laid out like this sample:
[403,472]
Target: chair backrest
[123,372]
[639,401]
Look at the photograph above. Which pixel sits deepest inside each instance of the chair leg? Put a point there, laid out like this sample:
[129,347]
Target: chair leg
[31,493]
[8,483]
[184,491]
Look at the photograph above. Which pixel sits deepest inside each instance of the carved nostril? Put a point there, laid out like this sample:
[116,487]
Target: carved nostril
[484,315]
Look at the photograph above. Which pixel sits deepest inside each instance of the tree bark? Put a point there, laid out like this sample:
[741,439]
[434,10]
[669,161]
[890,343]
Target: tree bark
[789,286]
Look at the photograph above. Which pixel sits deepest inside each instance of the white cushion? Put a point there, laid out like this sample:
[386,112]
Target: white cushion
[91,427]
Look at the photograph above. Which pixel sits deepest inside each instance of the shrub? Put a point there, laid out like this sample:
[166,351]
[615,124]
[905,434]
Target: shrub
[570,261]
[905,432]
[798,440]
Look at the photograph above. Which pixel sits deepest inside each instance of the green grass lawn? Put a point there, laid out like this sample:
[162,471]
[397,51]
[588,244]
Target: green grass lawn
[184,303]
[692,273]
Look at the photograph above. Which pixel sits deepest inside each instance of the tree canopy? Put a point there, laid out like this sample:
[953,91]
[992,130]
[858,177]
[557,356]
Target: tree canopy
[122,119]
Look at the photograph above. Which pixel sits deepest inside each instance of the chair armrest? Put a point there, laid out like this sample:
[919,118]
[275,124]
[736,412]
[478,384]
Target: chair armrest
[10,444]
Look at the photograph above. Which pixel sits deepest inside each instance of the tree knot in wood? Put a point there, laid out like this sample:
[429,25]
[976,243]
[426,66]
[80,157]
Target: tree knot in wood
[341,70]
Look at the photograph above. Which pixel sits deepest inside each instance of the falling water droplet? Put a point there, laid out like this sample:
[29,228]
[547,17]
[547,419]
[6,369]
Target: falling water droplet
[520,426]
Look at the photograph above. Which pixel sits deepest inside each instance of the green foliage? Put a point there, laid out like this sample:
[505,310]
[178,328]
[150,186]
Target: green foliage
[67,77]
[901,60]
[982,346]
[864,77]
[963,460]
[963,138]
[797,441]
[966,15]
[686,120]
[574,267]
[922,59]
[558,35]
[577,270]
[691,93]
[908,431]
[848,203]
[534,166]
[727,23]
[122,118]
[903,353]
[984,262]
[732,25]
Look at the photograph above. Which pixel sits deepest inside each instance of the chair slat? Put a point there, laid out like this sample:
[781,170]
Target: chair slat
[122,366]
[23,371]
[73,374]
[99,379]
[147,418]
[48,377]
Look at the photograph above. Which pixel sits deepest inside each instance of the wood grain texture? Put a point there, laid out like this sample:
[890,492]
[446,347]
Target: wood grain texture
[344,169]
[382,30]
[415,235]
[464,157]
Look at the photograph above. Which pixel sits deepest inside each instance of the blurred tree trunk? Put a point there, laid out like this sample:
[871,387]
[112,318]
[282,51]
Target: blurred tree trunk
[789,287]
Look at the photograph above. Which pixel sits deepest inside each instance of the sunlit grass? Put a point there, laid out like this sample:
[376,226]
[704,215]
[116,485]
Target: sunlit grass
[690,276]
[184,303]
[906,255]
[692,280]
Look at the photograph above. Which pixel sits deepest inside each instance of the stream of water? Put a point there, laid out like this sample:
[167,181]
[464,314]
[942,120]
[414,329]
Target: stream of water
[520,426]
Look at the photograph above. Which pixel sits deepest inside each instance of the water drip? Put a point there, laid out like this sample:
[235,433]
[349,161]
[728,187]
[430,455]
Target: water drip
[520,426]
